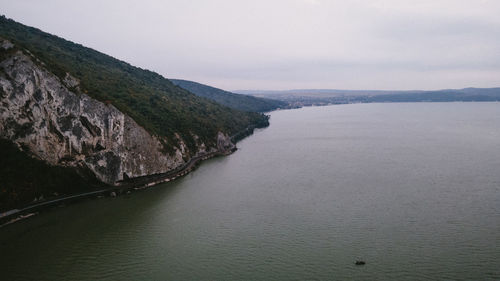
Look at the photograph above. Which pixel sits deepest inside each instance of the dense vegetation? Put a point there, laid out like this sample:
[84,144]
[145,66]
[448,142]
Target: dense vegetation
[150,99]
[24,178]
[236,101]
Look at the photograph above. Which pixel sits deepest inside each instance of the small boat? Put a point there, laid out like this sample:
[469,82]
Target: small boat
[360,263]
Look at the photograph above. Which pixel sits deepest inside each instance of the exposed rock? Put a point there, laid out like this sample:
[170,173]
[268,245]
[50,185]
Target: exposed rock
[5,44]
[224,142]
[70,81]
[45,117]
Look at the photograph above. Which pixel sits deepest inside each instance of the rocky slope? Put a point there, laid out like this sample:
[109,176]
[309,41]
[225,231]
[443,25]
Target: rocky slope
[51,119]
[150,99]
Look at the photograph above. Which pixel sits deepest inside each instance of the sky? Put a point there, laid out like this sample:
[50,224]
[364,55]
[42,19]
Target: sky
[287,44]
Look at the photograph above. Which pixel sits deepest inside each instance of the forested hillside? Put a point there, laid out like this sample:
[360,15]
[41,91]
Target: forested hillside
[150,99]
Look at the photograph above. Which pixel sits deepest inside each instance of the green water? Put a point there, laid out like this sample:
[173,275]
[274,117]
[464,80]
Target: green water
[412,189]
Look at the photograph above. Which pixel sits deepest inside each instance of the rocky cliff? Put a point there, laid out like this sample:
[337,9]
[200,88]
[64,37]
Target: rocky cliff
[51,119]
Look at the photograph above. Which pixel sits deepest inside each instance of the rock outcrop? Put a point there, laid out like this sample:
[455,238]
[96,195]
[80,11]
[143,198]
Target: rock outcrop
[49,118]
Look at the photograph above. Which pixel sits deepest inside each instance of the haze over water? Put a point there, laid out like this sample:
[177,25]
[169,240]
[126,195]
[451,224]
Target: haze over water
[412,189]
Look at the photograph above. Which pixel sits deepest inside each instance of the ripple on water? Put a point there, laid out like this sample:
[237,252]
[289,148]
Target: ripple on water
[412,189]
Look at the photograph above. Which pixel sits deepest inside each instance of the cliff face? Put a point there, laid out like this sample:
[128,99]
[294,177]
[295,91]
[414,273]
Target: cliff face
[52,120]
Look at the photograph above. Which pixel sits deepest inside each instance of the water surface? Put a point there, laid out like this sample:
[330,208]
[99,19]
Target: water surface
[413,189]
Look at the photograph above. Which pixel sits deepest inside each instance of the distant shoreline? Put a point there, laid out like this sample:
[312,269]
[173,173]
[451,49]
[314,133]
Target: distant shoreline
[298,105]
[308,97]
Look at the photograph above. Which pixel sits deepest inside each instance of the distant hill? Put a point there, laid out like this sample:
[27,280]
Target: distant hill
[304,97]
[236,101]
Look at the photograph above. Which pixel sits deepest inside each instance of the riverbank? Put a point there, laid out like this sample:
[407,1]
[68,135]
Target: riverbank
[124,187]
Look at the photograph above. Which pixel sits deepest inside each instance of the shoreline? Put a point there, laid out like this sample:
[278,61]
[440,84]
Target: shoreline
[124,187]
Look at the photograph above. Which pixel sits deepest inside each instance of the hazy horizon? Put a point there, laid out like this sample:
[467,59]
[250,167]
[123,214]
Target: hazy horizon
[355,90]
[285,45]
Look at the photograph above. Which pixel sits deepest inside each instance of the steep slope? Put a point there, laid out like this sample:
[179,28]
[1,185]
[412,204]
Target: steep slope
[130,124]
[62,127]
[236,101]
[150,99]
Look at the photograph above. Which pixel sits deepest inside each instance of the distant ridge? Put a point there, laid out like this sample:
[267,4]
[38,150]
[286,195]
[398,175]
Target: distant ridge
[304,97]
[335,92]
[236,101]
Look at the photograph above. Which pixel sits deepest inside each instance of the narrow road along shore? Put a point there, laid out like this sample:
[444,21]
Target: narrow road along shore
[124,186]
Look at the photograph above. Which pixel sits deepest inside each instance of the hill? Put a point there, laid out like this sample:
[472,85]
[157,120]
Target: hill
[73,119]
[236,101]
[304,97]
[150,99]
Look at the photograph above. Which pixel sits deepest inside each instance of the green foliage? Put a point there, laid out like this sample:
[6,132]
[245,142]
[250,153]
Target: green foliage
[24,178]
[236,101]
[150,99]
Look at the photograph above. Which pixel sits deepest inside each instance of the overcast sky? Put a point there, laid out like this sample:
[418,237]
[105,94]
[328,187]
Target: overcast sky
[287,44]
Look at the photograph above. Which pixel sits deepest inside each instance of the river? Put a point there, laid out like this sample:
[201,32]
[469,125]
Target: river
[412,189]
